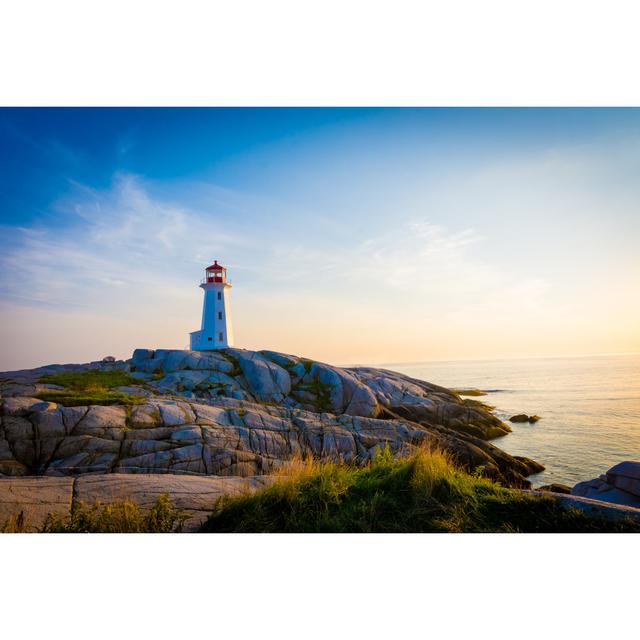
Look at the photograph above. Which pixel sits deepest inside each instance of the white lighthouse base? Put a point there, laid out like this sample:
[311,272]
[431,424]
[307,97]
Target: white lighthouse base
[198,341]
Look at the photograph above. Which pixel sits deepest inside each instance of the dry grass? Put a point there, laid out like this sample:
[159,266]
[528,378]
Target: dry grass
[15,524]
[423,493]
[119,517]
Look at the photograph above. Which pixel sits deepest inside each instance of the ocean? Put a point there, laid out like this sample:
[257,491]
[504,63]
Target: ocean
[589,408]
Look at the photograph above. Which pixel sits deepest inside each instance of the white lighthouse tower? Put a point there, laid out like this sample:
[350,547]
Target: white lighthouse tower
[216,331]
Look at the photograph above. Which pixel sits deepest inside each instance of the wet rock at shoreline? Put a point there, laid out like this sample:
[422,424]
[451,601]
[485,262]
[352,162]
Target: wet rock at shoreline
[523,417]
[555,487]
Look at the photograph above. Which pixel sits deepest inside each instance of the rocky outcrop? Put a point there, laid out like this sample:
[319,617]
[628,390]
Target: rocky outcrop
[223,437]
[523,417]
[619,485]
[32,498]
[556,487]
[242,413]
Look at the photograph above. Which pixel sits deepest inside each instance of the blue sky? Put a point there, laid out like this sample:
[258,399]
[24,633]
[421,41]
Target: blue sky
[351,235]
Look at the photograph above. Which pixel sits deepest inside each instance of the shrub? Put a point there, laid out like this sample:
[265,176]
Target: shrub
[119,517]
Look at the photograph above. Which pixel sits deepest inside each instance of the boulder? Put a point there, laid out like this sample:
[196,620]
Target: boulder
[619,485]
[598,490]
[523,417]
[555,487]
[266,380]
[141,355]
[625,476]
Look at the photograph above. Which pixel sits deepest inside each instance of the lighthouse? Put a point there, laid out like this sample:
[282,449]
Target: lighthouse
[216,331]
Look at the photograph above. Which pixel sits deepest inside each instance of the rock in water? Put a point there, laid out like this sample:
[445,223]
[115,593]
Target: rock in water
[234,412]
[523,417]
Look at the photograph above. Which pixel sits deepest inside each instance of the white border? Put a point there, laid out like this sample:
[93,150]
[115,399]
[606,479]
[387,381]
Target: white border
[319,53]
[319,586]
[329,52]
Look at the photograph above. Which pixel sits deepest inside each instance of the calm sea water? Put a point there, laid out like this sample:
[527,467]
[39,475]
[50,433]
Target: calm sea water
[589,408]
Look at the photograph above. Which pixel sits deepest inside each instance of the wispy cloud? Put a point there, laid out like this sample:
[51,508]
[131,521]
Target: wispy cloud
[122,246]
[101,245]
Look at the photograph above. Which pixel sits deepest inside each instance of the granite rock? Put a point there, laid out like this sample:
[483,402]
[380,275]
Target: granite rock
[238,412]
[32,498]
[619,485]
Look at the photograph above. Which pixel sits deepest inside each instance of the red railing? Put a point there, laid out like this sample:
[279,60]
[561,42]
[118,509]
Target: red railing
[213,279]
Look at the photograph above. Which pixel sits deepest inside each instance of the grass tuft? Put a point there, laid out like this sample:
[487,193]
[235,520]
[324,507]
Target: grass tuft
[119,517]
[307,364]
[93,386]
[321,392]
[15,524]
[423,493]
[90,380]
[237,369]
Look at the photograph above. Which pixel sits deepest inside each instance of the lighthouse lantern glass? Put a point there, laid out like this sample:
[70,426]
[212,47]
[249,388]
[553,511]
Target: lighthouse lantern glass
[216,275]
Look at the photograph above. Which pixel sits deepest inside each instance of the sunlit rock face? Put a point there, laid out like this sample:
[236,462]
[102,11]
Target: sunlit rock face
[234,412]
[195,496]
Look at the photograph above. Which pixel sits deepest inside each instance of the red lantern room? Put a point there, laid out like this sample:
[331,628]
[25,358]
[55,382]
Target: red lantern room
[215,273]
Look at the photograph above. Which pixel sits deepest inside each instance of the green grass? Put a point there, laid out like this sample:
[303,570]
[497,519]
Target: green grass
[321,391]
[119,517]
[93,386]
[423,493]
[469,392]
[91,379]
[237,369]
[74,399]
[307,364]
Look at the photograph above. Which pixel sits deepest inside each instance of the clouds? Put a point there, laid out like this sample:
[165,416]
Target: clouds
[104,247]
[124,246]
[525,251]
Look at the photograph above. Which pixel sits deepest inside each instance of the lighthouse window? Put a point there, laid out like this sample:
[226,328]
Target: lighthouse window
[219,315]
[219,295]
[220,336]
[209,338]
